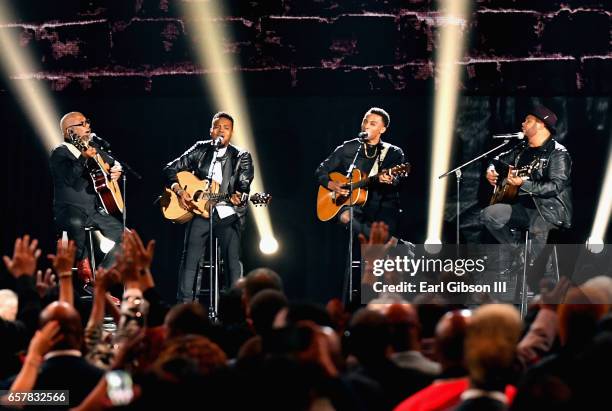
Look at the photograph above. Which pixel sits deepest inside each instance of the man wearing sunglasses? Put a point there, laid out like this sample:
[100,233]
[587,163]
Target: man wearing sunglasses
[75,203]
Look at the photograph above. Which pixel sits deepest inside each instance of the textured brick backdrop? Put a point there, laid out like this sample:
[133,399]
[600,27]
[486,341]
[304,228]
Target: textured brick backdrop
[317,46]
[307,55]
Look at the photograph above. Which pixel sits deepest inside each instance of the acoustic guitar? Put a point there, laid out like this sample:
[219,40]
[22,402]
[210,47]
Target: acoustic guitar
[329,202]
[504,192]
[108,190]
[205,196]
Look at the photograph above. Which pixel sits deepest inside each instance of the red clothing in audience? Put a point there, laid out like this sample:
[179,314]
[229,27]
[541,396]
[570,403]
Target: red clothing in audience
[442,395]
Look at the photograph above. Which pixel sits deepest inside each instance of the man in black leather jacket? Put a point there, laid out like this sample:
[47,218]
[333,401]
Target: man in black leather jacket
[234,172]
[545,198]
[383,203]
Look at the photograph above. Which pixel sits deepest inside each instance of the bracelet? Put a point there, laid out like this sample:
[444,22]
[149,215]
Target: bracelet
[65,274]
[35,362]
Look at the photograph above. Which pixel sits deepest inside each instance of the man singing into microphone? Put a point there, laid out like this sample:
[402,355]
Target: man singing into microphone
[233,170]
[545,199]
[374,155]
[75,203]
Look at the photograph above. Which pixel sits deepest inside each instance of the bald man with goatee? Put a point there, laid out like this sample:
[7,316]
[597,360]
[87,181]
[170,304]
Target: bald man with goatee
[75,203]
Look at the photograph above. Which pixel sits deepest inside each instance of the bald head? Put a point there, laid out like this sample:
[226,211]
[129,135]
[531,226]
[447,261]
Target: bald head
[449,337]
[404,326]
[69,321]
[76,122]
[369,335]
[261,279]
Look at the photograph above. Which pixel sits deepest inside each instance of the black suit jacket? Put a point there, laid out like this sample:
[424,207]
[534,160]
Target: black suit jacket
[71,182]
[379,195]
[69,373]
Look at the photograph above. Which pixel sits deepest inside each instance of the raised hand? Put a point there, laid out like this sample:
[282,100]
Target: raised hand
[63,261]
[142,256]
[44,339]
[379,236]
[125,265]
[105,279]
[25,255]
[556,296]
[43,284]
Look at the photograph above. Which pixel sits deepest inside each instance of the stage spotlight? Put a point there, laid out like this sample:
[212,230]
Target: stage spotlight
[595,245]
[604,207]
[29,92]
[452,22]
[225,86]
[104,243]
[433,247]
[268,245]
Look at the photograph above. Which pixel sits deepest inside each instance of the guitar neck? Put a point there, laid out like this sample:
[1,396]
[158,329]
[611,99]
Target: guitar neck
[218,196]
[366,181]
[83,146]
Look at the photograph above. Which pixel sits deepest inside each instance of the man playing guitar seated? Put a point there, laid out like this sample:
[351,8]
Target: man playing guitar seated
[76,204]
[544,198]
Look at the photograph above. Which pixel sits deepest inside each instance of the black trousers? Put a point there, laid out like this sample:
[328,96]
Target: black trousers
[499,219]
[227,231]
[72,220]
[364,217]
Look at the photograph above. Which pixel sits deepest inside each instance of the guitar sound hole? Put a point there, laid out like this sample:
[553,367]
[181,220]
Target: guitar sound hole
[197,195]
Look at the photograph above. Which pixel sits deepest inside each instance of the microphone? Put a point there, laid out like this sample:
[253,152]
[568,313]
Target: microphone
[99,141]
[520,135]
[216,141]
[363,136]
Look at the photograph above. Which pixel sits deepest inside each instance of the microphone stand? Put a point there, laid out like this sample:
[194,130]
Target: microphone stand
[349,280]
[126,167]
[458,173]
[213,286]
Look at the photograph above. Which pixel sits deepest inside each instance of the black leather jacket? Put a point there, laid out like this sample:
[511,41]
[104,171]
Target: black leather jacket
[379,195]
[550,182]
[197,160]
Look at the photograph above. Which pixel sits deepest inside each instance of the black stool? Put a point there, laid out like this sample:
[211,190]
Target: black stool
[527,251]
[212,292]
[92,252]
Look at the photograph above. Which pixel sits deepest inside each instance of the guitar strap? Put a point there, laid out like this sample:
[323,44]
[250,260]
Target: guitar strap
[75,151]
[381,156]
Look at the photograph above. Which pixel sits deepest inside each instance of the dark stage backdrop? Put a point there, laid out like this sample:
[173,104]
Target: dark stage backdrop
[310,70]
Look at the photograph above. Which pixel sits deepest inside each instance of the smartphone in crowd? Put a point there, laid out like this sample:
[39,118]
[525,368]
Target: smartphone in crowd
[119,387]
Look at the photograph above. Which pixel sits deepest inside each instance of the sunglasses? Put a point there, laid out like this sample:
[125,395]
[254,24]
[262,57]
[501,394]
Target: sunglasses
[81,124]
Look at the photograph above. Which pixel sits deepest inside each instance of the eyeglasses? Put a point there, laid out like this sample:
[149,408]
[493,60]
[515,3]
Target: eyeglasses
[81,124]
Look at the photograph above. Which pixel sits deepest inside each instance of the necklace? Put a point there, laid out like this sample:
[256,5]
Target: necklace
[365,150]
